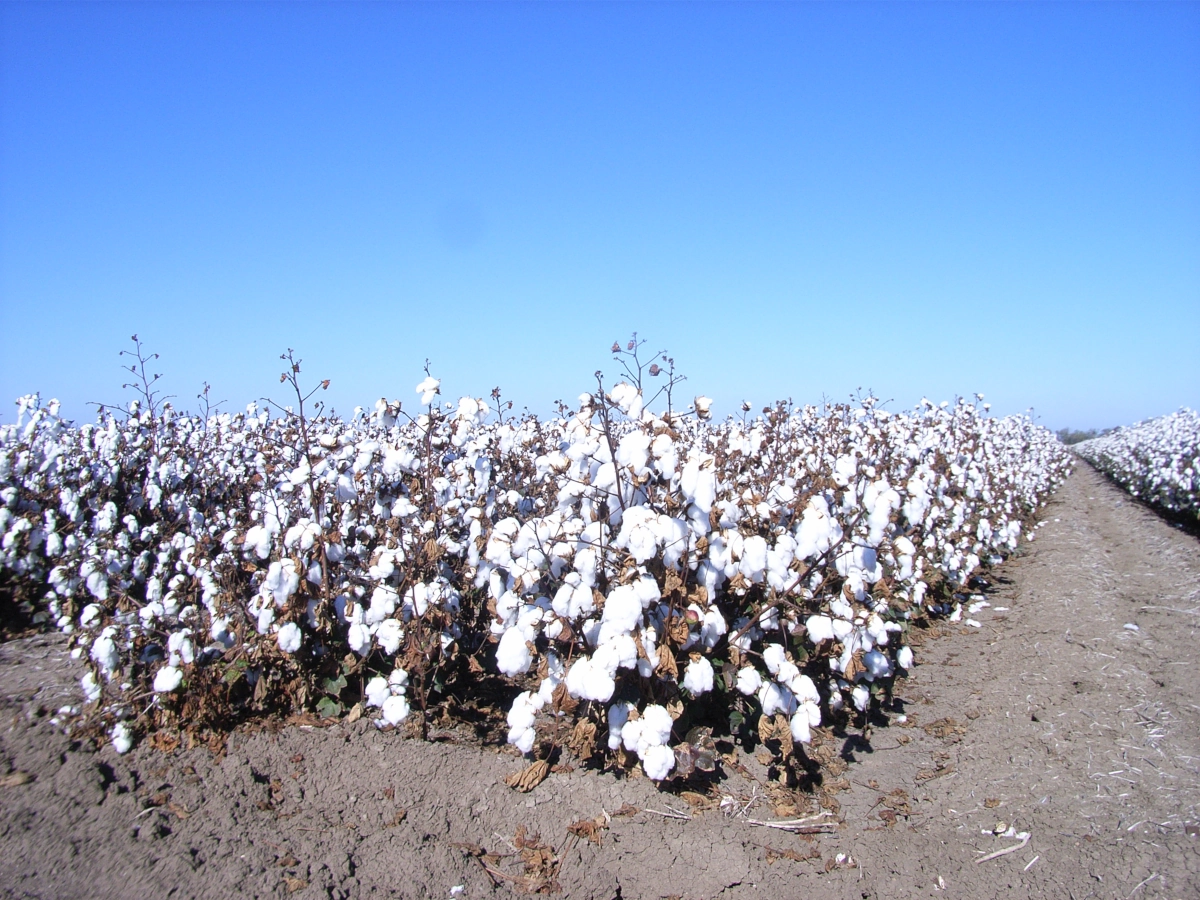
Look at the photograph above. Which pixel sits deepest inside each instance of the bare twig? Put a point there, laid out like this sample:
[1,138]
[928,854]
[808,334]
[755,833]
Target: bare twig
[1013,849]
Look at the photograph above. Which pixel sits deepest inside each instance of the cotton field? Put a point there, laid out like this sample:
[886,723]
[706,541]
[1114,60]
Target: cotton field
[624,573]
[1157,461]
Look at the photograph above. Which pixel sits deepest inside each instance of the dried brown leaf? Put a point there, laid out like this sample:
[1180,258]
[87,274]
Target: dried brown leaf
[529,777]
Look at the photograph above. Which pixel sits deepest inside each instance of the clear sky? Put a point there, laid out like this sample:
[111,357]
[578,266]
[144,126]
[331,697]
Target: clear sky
[795,200]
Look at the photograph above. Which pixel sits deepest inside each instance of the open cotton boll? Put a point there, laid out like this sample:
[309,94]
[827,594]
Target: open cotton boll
[258,539]
[800,726]
[904,658]
[429,389]
[878,665]
[588,682]
[656,724]
[775,698]
[657,762]
[754,558]
[167,679]
[388,635]
[104,652]
[819,629]
[521,718]
[712,627]
[622,612]
[698,677]
[282,580]
[122,740]
[698,482]
[395,709]
[512,654]
[289,638]
[634,451]
[861,697]
[639,533]
[619,652]
[573,599]
[628,399]
[618,715]
[773,657]
[377,690]
[91,687]
[748,680]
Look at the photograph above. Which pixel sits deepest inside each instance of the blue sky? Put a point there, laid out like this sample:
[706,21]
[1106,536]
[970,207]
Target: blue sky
[795,200]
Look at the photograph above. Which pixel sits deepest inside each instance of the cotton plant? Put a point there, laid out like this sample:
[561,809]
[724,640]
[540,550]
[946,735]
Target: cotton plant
[625,561]
[1157,461]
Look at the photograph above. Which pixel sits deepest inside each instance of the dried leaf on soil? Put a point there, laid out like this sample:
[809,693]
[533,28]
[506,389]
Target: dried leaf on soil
[529,777]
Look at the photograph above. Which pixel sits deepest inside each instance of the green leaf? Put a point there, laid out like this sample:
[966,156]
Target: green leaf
[736,720]
[328,707]
[234,672]
[334,686]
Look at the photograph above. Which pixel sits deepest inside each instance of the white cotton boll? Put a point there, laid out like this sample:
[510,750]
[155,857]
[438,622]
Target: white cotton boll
[840,608]
[282,580]
[90,614]
[639,533]
[289,637]
[878,665]
[618,715]
[842,629]
[524,711]
[622,612]
[698,482]
[748,680]
[646,589]
[805,690]
[801,730]
[712,627]
[104,652]
[574,599]
[754,558]
[587,682]
[904,658]
[180,648]
[258,539]
[703,407]
[698,677]
[167,679]
[819,628]
[861,697]
[91,687]
[512,655]
[877,629]
[359,638]
[658,762]
[656,724]
[266,618]
[957,614]
[122,740]
[775,698]
[631,734]
[634,451]
[429,389]
[389,634]
[773,657]
[395,709]
[523,739]
[377,690]
[619,652]
[591,632]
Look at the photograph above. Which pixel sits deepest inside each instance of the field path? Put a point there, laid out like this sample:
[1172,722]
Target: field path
[1072,712]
